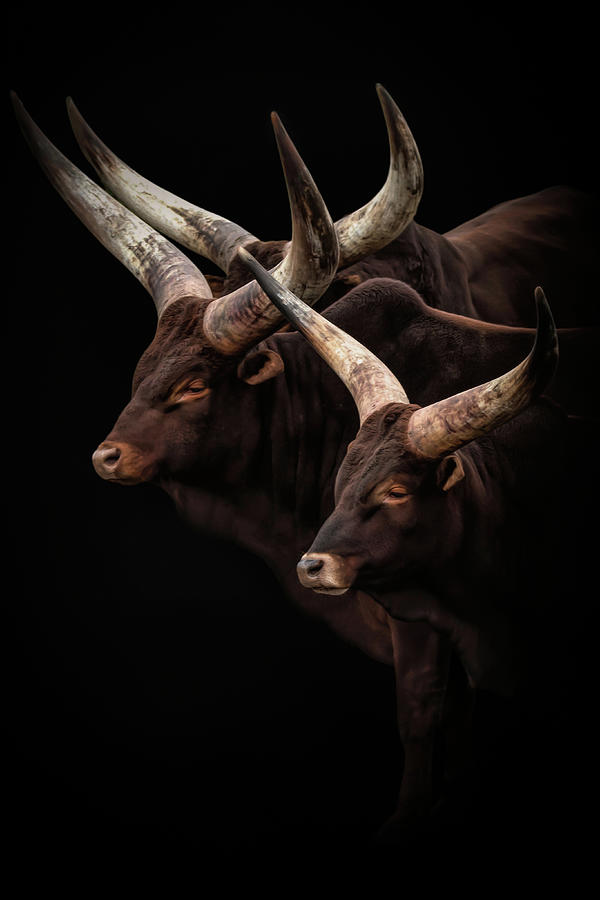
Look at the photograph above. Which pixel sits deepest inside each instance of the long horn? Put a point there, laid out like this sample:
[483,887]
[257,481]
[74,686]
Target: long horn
[369,381]
[166,273]
[392,209]
[442,427]
[244,317]
[206,233]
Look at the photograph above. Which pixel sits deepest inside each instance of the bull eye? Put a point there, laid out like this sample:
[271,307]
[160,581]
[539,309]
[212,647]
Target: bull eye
[190,391]
[396,494]
[390,418]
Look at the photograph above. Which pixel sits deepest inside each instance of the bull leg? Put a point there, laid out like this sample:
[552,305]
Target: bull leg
[459,708]
[425,638]
[421,664]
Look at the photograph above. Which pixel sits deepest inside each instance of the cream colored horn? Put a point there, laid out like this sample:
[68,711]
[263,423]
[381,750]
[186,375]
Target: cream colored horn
[166,273]
[438,429]
[392,209]
[243,318]
[369,381]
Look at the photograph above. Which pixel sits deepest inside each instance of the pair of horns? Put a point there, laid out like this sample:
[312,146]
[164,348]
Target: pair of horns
[231,323]
[438,429]
[242,318]
[361,232]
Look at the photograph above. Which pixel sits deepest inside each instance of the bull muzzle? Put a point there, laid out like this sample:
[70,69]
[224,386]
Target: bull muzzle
[326,573]
[123,463]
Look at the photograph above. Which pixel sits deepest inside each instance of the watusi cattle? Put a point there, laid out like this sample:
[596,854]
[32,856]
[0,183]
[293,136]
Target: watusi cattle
[251,479]
[433,507]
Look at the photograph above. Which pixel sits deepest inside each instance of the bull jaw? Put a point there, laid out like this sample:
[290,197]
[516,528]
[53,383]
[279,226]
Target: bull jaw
[332,590]
[125,482]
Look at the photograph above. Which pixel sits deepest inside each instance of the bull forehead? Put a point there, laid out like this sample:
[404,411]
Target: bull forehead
[178,346]
[380,449]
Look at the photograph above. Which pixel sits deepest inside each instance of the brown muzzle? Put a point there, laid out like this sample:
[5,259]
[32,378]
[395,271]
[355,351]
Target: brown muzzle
[326,573]
[123,463]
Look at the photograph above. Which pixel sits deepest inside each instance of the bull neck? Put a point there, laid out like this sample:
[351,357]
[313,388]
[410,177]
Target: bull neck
[273,491]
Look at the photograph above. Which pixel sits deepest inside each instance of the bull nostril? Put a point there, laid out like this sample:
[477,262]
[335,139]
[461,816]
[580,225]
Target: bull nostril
[112,457]
[310,567]
[106,458]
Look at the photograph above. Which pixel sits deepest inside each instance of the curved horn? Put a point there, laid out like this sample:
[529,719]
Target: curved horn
[197,229]
[393,208]
[240,319]
[442,427]
[244,317]
[163,269]
[369,381]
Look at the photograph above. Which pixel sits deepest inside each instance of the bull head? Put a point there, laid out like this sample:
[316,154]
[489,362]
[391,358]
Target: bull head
[200,338]
[404,456]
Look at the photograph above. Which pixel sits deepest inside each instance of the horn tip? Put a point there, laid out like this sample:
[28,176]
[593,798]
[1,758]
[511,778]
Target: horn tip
[16,102]
[385,98]
[75,116]
[281,135]
[269,284]
[543,307]
[540,298]
[244,254]
[251,263]
[546,325]
[26,123]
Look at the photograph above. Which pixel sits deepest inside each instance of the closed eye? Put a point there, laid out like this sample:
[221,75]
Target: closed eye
[396,494]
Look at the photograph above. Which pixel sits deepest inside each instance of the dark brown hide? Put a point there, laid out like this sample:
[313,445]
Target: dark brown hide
[436,536]
[488,267]
[256,464]
[453,538]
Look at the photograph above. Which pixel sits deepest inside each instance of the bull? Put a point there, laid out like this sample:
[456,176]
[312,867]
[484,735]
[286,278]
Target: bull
[433,507]
[218,418]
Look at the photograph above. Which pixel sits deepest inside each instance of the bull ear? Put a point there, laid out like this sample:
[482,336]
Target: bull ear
[260,365]
[450,471]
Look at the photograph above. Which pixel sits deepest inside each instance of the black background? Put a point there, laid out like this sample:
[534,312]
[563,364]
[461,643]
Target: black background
[161,694]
